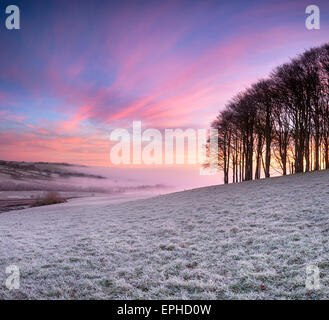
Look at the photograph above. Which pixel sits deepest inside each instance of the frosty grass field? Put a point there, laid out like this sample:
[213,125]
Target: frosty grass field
[247,241]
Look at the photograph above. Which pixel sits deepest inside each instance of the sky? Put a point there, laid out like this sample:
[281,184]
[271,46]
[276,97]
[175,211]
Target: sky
[76,70]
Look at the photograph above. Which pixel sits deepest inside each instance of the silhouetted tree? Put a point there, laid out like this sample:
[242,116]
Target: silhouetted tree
[285,116]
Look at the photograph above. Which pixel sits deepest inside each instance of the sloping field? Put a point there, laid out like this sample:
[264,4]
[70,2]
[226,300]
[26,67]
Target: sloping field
[252,240]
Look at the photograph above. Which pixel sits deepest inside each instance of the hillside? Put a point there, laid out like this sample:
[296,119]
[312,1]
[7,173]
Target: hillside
[40,171]
[251,240]
[22,182]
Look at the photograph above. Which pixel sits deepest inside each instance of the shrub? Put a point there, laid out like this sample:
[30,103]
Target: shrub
[48,198]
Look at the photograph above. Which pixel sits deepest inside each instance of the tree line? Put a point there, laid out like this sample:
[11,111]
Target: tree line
[279,124]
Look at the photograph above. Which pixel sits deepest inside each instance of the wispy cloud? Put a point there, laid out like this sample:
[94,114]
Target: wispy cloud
[169,64]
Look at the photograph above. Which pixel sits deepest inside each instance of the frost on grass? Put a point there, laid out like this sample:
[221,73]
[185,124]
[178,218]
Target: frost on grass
[253,240]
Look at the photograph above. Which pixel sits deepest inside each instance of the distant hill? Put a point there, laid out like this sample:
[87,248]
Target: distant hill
[40,171]
[47,176]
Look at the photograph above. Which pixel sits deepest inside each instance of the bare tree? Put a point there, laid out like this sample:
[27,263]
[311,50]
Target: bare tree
[285,118]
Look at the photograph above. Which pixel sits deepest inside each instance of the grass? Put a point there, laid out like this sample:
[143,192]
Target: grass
[252,240]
